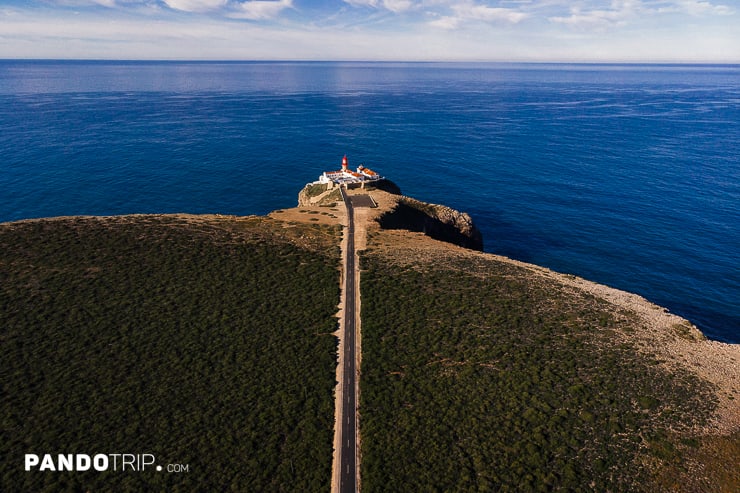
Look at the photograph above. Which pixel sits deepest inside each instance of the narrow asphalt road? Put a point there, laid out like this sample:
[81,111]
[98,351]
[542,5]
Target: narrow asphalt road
[348,453]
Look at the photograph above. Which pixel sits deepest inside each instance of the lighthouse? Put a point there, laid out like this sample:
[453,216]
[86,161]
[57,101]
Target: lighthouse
[345,176]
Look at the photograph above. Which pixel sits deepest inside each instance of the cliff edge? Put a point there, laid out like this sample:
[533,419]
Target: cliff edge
[396,211]
[436,221]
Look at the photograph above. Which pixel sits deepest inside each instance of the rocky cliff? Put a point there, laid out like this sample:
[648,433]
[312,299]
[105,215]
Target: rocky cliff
[314,194]
[399,212]
[436,221]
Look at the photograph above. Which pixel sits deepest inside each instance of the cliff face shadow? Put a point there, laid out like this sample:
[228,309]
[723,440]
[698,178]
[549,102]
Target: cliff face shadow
[426,219]
[385,185]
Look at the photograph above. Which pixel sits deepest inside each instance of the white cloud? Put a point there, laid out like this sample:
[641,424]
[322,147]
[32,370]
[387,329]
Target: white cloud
[489,14]
[446,22]
[398,5]
[84,3]
[195,5]
[260,9]
[697,8]
[362,3]
[622,11]
[395,6]
[469,11]
[658,31]
[618,14]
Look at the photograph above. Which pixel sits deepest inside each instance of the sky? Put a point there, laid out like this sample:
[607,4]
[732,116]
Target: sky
[683,31]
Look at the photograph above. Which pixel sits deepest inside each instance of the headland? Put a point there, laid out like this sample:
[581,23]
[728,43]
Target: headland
[211,340]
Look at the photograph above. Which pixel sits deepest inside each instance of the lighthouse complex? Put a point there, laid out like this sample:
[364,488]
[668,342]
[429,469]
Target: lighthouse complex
[345,176]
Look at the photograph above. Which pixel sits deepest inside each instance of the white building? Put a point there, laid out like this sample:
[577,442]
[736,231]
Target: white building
[346,176]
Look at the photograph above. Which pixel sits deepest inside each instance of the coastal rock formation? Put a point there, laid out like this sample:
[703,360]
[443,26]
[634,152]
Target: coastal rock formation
[385,185]
[400,212]
[318,194]
[436,221]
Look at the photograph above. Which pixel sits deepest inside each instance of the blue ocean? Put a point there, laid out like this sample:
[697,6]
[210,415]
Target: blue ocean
[628,175]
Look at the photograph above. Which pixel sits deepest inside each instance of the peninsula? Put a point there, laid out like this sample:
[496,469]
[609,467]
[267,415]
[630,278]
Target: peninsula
[211,342]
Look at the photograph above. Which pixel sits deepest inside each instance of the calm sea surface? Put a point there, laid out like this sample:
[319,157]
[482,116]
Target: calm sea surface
[628,175]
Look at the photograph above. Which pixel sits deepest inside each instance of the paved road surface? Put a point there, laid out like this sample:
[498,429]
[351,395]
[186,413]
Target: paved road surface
[348,451]
[363,200]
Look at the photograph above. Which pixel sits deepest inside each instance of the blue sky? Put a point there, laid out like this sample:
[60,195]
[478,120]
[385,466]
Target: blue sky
[477,30]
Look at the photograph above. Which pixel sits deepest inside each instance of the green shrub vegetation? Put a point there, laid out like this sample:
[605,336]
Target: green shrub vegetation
[335,196]
[315,189]
[208,341]
[205,342]
[475,377]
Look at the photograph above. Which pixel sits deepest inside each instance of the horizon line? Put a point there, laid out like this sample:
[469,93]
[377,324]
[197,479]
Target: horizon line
[374,61]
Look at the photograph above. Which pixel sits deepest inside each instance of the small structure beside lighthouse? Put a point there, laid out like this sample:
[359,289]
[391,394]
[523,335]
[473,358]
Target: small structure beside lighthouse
[345,176]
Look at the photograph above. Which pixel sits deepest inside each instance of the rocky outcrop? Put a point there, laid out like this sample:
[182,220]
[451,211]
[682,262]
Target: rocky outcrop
[385,185]
[436,221]
[315,194]
[399,212]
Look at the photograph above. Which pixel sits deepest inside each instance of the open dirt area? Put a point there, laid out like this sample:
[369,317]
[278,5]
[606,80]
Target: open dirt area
[311,214]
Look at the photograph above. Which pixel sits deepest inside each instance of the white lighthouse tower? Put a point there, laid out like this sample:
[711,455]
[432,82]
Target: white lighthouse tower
[346,176]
